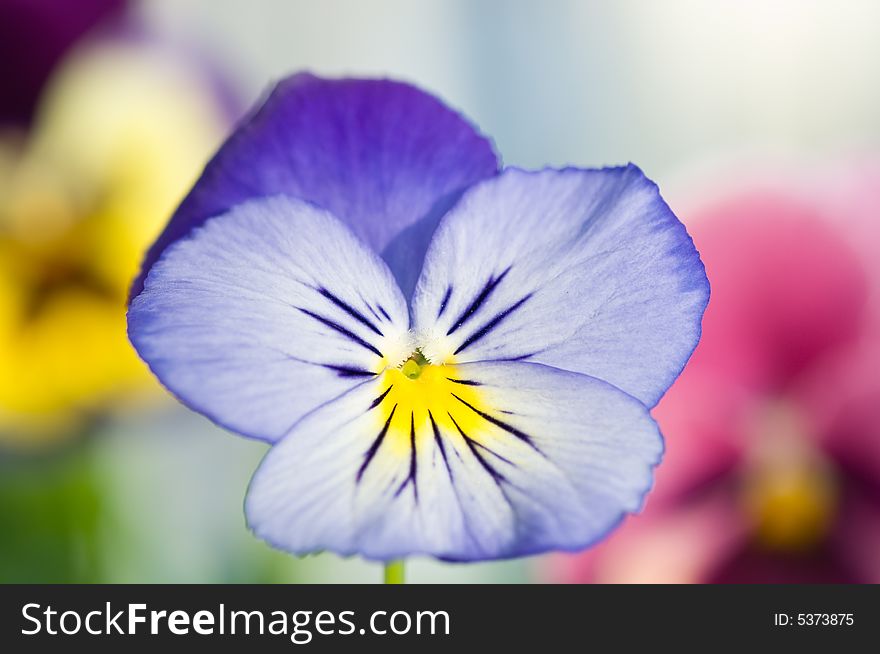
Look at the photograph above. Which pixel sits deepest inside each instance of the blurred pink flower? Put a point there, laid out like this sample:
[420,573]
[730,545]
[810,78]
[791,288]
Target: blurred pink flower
[772,467]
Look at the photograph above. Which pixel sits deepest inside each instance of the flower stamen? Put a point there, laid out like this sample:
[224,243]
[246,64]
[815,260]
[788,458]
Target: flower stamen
[412,367]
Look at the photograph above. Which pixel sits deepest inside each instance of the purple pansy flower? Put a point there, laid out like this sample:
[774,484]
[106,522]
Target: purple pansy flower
[447,359]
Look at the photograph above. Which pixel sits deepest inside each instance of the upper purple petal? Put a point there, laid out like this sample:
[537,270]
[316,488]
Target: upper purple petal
[383,156]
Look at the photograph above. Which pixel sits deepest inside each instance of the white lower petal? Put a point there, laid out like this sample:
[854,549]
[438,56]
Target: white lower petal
[526,459]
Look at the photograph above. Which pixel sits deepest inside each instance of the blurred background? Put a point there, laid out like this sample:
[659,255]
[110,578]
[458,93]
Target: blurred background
[760,121]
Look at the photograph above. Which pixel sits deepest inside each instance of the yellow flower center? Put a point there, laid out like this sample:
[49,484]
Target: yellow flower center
[790,494]
[792,507]
[419,398]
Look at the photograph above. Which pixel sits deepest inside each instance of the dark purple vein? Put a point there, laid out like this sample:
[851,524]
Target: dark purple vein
[342,330]
[474,306]
[510,429]
[375,446]
[492,324]
[350,310]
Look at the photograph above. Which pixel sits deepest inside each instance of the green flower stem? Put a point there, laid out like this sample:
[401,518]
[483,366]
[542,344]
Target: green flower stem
[394,572]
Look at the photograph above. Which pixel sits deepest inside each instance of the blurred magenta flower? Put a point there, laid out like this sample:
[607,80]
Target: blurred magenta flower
[772,472]
[447,359]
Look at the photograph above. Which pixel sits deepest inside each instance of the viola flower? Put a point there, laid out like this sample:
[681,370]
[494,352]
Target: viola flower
[121,129]
[773,464]
[447,360]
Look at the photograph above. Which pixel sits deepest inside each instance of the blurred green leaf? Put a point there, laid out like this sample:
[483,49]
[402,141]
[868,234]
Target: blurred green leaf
[49,512]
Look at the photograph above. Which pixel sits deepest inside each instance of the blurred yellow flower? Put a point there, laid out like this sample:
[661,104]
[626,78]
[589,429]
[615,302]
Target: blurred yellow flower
[122,132]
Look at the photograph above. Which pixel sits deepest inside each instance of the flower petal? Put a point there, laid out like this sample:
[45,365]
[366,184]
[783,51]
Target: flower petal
[584,270]
[266,312]
[381,155]
[534,459]
[856,540]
